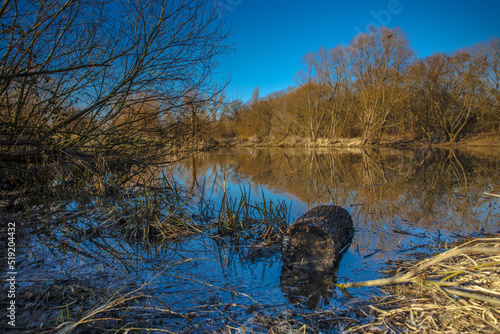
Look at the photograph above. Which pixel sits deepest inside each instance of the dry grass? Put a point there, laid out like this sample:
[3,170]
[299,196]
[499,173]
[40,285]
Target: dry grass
[459,293]
[154,212]
[119,302]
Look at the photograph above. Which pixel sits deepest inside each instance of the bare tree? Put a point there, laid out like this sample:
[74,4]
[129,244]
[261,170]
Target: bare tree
[491,78]
[312,113]
[325,101]
[341,99]
[255,96]
[282,118]
[446,90]
[63,62]
[378,59]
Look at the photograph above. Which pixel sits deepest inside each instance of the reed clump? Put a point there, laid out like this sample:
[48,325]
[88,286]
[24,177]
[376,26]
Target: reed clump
[154,212]
[242,219]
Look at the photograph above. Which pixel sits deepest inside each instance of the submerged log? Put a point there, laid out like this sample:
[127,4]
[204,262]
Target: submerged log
[315,240]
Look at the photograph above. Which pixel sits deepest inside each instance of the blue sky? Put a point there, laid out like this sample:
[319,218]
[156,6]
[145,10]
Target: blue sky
[271,36]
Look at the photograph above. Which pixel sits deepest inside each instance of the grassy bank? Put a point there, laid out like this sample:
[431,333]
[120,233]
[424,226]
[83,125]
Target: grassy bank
[457,290]
[412,141]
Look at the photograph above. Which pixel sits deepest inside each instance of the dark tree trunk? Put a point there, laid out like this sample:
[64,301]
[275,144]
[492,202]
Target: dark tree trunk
[315,240]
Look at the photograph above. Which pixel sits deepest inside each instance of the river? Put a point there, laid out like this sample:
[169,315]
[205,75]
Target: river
[403,202]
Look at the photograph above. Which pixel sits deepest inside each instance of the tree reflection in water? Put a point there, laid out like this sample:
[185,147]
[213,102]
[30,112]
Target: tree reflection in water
[391,193]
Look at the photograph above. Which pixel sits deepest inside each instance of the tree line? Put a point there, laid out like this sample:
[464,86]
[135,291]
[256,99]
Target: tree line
[376,86]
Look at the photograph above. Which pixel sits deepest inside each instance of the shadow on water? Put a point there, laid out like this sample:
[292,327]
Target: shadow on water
[401,201]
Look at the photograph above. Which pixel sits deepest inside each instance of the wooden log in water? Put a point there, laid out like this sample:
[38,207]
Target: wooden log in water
[315,240]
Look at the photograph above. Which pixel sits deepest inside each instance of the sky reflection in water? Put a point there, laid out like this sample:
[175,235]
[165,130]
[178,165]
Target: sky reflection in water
[401,201]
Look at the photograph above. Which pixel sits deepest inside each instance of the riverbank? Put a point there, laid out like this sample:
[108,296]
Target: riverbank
[482,140]
[456,290]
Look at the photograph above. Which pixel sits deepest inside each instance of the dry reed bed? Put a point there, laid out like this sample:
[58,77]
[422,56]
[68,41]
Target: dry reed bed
[455,291]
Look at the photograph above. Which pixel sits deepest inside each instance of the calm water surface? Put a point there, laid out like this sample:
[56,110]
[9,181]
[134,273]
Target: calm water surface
[401,201]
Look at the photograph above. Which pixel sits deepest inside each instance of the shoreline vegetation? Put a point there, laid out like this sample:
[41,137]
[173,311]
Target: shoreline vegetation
[455,290]
[481,140]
